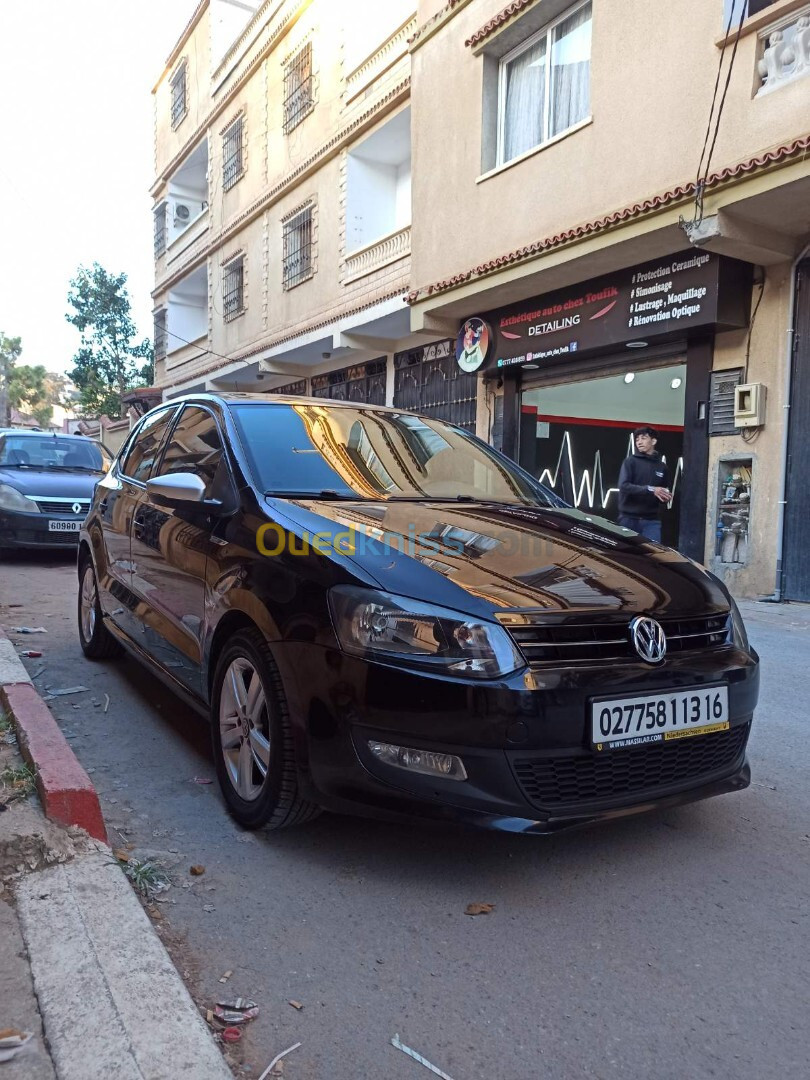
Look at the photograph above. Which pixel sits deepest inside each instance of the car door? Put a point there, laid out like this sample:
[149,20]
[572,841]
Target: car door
[117,495]
[170,547]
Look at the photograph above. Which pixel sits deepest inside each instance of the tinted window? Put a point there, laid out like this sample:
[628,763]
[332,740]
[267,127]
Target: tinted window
[363,453]
[141,455]
[194,446]
[50,452]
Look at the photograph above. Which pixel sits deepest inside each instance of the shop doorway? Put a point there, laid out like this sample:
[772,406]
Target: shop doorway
[575,435]
[796,558]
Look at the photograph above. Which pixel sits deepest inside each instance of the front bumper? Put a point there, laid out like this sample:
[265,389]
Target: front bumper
[524,742]
[33,531]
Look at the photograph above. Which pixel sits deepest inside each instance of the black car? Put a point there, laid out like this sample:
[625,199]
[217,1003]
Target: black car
[381,614]
[46,484]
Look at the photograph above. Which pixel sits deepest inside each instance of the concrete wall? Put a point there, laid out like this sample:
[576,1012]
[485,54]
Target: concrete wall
[653,71]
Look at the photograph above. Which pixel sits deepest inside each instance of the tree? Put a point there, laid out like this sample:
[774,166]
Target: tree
[107,364]
[28,392]
[10,351]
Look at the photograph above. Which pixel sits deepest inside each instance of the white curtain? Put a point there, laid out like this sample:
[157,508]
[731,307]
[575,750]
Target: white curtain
[525,105]
[571,71]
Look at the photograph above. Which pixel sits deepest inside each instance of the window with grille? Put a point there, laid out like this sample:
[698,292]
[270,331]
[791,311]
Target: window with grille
[160,229]
[297,261]
[298,88]
[179,97]
[160,334]
[294,389]
[428,380]
[232,161]
[361,383]
[233,288]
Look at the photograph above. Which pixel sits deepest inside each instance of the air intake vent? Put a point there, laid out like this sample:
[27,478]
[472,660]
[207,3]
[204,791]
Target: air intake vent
[721,401]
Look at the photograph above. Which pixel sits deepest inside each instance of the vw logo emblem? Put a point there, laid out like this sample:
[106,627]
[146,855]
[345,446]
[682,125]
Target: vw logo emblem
[77,508]
[648,639]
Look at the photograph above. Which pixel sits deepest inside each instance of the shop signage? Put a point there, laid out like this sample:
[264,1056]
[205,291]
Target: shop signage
[472,344]
[651,303]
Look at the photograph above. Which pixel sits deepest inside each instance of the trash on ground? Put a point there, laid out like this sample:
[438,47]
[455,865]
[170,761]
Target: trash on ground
[296,1005]
[197,871]
[208,907]
[106,702]
[200,780]
[479,909]
[418,1057]
[235,1016]
[69,690]
[29,630]
[31,654]
[226,976]
[121,855]
[232,1034]
[13,1043]
[277,1059]
[237,1003]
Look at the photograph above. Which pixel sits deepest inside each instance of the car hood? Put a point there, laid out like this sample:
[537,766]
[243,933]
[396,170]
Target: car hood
[485,557]
[50,484]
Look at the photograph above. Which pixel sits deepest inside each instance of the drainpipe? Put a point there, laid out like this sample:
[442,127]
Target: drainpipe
[776,596]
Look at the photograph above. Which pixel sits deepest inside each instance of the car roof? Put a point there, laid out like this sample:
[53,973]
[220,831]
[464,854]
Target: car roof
[240,398]
[46,434]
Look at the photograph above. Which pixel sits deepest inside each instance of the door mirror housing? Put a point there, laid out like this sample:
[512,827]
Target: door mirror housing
[176,489]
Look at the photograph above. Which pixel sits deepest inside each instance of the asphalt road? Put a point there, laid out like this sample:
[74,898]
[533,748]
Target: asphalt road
[668,946]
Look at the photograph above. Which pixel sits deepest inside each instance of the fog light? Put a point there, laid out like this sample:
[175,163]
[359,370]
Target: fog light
[419,761]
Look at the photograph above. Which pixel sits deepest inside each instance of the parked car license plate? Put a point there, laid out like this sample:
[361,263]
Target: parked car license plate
[64,526]
[650,718]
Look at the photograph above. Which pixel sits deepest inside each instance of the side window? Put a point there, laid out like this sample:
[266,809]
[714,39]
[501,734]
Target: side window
[137,465]
[194,446]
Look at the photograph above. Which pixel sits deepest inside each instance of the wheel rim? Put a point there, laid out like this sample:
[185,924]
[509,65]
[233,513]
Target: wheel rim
[244,729]
[88,603]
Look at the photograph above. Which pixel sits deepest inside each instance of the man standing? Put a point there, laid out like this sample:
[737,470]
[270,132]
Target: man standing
[644,486]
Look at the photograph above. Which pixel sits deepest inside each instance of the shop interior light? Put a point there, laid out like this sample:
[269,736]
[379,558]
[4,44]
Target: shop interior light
[676,383]
[637,344]
[531,367]
[629,377]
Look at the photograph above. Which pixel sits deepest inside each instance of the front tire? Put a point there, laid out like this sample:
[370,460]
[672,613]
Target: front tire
[95,639]
[252,737]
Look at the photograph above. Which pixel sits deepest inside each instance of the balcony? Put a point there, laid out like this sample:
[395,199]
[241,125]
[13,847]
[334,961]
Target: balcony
[187,318]
[785,52]
[187,201]
[378,198]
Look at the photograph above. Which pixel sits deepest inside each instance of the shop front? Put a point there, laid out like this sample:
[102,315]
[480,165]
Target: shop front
[580,368]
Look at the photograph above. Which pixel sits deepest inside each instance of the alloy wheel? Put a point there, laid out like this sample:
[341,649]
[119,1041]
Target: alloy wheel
[244,729]
[88,603]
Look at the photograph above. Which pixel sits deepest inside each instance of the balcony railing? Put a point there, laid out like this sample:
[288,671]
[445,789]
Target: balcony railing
[387,249]
[786,56]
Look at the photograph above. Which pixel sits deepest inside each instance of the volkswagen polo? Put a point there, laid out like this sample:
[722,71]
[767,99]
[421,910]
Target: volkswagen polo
[378,613]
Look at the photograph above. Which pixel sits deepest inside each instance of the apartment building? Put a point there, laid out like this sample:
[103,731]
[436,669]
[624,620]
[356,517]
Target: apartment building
[282,206]
[595,290]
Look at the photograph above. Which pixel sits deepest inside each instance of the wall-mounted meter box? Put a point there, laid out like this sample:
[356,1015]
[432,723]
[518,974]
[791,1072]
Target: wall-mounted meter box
[749,405]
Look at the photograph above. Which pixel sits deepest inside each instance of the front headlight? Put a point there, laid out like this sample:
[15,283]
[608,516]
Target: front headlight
[381,626]
[11,499]
[739,635]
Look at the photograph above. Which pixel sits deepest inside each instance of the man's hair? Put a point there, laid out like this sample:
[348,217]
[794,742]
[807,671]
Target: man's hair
[646,430]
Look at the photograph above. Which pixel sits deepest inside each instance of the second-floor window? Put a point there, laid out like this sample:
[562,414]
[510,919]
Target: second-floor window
[544,85]
[298,88]
[734,11]
[160,335]
[298,248]
[232,158]
[233,288]
[179,96]
[160,229]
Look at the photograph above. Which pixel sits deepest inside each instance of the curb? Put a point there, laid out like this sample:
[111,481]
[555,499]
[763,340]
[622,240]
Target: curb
[67,793]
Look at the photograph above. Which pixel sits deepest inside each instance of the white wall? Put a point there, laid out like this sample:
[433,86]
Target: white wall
[368,23]
[228,19]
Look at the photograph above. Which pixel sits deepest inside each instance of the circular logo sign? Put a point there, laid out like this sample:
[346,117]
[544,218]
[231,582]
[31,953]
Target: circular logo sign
[649,639]
[472,344]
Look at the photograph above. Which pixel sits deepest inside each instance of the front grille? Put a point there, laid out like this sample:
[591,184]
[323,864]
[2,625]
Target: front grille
[544,641]
[552,782]
[32,536]
[56,506]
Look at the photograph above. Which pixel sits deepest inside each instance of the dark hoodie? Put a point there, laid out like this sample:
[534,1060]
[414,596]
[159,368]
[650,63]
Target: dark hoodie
[640,472]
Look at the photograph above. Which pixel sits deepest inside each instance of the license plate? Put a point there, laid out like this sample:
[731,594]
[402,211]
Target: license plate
[650,718]
[64,526]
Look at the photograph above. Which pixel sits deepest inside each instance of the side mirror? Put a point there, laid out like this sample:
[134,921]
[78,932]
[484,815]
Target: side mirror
[176,489]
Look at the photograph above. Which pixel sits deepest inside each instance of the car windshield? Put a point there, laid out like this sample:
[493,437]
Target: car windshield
[359,453]
[52,452]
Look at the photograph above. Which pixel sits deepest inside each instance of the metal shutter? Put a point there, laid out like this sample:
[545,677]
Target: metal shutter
[721,401]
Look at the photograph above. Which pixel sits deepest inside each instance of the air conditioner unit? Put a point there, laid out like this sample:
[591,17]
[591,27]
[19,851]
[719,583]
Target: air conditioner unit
[182,213]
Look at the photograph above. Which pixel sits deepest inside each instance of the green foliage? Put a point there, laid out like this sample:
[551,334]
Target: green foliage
[28,392]
[10,352]
[107,363]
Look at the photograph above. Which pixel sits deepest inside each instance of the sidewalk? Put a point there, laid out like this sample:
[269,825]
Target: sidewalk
[81,966]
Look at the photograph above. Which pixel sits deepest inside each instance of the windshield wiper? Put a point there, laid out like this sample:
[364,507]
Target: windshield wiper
[325,494]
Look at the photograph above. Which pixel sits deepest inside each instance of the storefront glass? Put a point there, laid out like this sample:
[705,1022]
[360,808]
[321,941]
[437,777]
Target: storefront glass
[575,435]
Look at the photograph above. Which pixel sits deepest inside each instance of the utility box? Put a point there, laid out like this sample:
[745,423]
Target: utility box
[749,405]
